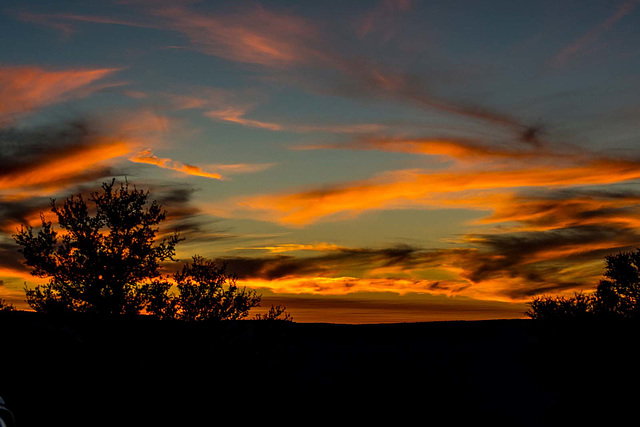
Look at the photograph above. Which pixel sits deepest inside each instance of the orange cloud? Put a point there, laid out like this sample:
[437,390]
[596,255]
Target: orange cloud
[24,89]
[508,267]
[411,187]
[503,288]
[569,210]
[63,165]
[458,149]
[146,156]
[338,285]
[293,247]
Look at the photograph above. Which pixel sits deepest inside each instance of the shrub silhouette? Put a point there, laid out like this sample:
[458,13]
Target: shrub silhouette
[616,296]
[101,259]
[5,306]
[277,312]
[208,292]
[557,308]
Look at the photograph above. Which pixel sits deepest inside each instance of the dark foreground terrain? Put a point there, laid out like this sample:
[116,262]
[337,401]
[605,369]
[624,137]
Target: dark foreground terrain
[80,371]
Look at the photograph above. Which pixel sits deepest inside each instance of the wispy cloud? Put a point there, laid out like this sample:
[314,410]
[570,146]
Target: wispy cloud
[280,41]
[255,35]
[67,22]
[239,168]
[237,115]
[567,208]
[147,156]
[456,148]
[365,79]
[584,42]
[26,88]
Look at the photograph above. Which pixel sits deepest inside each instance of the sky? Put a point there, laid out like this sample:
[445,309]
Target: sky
[357,162]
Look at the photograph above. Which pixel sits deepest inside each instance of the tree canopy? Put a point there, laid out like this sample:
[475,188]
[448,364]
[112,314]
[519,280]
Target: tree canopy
[208,292]
[105,250]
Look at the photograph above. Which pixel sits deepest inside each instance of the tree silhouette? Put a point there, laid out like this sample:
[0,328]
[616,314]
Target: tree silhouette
[616,296]
[277,312]
[5,306]
[619,294]
[105,257]
[161,303]
[208,292]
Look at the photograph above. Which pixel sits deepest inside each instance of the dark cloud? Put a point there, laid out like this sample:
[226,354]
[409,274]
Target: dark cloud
[10,258]
[20,211]
[54,156]
[518,245]
[541,260]
[329,264]
[532,262]
[24,146]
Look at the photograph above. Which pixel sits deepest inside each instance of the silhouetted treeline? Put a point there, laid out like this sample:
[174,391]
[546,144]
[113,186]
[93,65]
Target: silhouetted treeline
[616,297]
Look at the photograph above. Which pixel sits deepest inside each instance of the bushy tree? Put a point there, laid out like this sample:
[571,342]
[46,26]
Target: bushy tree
[161,302]
[208,292]
[616,296]
[619,294]
[104,258]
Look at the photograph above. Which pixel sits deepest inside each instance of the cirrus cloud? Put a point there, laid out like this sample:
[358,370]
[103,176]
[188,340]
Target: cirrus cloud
[24,89]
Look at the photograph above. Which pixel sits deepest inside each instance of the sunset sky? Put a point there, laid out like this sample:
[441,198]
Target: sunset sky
[355,161]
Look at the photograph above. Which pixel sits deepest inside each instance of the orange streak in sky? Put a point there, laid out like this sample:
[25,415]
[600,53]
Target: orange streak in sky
[455,148]
[146,156]
[65,164]
[415,187]
[336,285]
[236,115]
[23,89]
[590,37]
[292,247]
[489,290]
